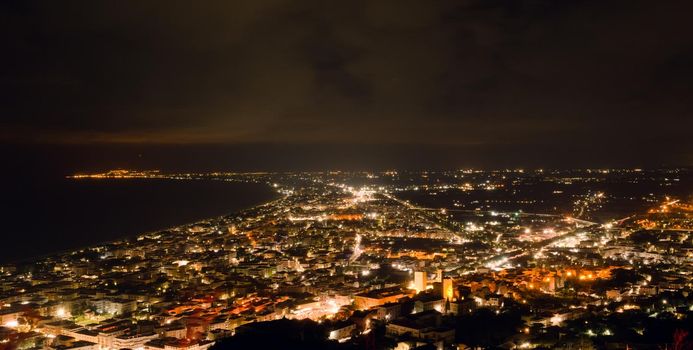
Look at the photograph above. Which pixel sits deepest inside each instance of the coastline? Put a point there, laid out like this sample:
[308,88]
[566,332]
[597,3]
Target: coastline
[265,195]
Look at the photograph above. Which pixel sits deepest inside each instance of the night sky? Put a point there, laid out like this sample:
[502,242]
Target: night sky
[264,85]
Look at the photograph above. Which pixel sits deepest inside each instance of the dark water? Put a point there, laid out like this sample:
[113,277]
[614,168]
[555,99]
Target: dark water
[49,215]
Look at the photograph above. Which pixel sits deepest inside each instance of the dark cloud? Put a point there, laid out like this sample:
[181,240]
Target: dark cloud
[514,73]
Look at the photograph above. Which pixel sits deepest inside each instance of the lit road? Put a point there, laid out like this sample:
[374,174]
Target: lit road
[414,207]
[515,253]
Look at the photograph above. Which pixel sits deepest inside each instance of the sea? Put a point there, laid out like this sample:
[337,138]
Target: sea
[42,215]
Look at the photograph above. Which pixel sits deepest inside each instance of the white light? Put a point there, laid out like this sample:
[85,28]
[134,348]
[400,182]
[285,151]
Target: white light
[556,320]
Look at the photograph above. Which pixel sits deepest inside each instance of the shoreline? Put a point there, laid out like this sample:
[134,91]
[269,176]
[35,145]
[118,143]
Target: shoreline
[43,256]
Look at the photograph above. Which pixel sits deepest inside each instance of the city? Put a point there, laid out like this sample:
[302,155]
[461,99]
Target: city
[346,175]
[464,259]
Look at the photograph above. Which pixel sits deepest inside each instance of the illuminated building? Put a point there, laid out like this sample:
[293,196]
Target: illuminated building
[379,297]
[448,291]
[420,281]
[133,341]
[9,317]
[311,253]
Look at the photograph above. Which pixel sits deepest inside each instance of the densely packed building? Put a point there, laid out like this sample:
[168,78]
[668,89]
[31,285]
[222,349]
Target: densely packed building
[362,253]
